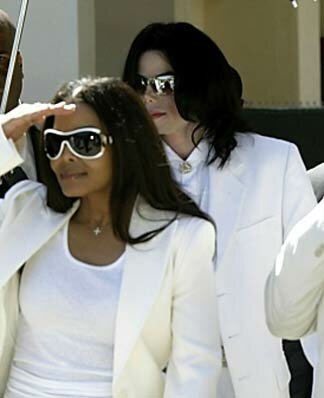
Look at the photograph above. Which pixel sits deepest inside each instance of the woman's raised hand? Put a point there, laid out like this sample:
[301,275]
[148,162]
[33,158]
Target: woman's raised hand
[16,122]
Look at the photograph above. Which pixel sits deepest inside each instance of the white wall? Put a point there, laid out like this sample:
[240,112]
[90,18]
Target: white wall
[49,45]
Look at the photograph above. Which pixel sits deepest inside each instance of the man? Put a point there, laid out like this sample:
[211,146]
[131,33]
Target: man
[294,291]
[25,144]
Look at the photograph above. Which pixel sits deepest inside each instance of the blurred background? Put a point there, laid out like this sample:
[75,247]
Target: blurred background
[277,49]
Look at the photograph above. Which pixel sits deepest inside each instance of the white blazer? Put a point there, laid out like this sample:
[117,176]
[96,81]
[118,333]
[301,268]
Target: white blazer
[167,314]
[294,291]
[255,199]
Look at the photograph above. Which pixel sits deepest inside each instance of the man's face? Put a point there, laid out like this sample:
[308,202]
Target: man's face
[16,84]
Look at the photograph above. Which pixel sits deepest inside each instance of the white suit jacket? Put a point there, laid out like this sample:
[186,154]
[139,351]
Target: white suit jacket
[255,199]
[294,292]
[166,315]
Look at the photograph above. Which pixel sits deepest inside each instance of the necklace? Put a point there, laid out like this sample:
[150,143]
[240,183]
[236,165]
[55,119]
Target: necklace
[97,231]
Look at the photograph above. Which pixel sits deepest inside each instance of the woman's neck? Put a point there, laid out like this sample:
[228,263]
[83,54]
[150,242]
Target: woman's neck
[94,210]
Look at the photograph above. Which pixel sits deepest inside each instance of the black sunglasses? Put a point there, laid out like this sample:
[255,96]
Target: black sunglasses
[85,142]
[161,85]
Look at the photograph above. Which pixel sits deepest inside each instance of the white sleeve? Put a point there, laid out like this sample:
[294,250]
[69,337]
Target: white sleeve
[298,195]
[195,362]
[9,156]
[298,200]
[295,286]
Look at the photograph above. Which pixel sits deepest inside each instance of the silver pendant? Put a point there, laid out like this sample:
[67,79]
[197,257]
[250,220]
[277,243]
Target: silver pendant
[185,167]
[97,231]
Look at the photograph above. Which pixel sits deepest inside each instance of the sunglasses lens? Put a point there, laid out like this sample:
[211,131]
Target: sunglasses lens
[86,143]
[166,86]
[139,85]
[52,144]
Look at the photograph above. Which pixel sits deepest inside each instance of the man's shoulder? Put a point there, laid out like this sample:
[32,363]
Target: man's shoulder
[258,142]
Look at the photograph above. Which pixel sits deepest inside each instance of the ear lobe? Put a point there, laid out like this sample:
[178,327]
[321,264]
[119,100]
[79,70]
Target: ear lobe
[20,59]
[20,62]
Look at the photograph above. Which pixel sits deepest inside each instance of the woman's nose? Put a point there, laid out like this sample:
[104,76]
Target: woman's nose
[67,155]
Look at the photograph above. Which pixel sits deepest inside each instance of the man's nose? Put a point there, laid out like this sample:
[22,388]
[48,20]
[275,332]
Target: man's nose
[149,95]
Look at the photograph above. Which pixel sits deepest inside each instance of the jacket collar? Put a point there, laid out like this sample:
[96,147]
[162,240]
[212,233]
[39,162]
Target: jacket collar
[196,157]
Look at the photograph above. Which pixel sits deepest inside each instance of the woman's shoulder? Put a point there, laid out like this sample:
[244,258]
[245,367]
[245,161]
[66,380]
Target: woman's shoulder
[25,191]
[24,196]
[194,245]
[195,230]
[27,195]
[146,218]
[189,224]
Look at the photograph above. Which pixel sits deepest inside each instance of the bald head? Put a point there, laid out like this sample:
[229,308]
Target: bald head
[7,26]
[7,35]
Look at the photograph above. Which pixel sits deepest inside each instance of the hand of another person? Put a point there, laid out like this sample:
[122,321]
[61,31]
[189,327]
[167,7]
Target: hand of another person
[16,122]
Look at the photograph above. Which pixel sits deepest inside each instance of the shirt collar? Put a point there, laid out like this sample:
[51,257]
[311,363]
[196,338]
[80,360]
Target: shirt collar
[196,157]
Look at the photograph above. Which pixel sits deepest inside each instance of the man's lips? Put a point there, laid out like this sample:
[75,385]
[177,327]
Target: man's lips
[157,114]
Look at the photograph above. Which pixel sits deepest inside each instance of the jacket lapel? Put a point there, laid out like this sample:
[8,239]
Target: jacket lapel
[226,198]
[145,266]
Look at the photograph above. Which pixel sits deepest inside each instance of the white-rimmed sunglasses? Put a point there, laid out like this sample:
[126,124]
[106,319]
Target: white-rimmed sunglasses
[85,142]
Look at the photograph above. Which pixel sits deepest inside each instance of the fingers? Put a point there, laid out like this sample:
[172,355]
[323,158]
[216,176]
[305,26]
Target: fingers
[40,111]
[16,122]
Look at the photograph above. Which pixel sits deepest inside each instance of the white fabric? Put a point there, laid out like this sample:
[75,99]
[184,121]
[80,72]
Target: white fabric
[255,199]
[294,292]
[58,353]
[10,157]
[25,149]
[23,155]
[166,312]
[195,182]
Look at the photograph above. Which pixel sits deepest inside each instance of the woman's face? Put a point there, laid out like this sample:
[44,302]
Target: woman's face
[162,108]
[82,177]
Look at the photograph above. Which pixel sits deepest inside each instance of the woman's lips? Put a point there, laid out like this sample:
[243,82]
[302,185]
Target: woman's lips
[71,176]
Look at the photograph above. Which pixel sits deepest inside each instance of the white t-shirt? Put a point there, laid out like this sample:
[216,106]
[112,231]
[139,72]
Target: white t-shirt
[66,332]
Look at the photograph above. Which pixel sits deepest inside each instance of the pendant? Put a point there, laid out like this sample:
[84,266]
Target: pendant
[97,231]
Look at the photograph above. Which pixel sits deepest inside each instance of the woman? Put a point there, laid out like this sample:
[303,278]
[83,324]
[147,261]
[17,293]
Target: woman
[117,283]
[255,188]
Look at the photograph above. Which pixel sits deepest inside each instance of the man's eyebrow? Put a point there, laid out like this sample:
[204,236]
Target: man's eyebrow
[168,73]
